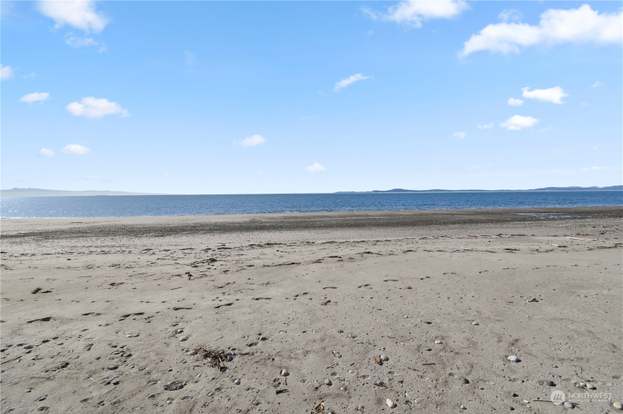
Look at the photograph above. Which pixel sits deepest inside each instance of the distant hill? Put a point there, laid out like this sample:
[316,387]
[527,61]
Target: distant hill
[440,190]
[41,192]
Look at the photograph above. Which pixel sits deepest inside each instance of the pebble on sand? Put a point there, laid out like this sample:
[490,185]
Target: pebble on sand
[513,358]
[390,403]
[174,385]
[284,372]
[617,405]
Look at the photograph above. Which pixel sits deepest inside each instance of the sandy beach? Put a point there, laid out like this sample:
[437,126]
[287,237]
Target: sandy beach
[314,313]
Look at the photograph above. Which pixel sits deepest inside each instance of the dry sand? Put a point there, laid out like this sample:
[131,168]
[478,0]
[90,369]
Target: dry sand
[313,313]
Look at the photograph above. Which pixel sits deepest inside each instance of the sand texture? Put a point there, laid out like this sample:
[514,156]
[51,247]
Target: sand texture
[314,313]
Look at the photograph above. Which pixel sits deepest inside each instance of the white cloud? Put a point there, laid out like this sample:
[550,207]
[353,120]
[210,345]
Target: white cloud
[488,125]
[90,107]
[80,14]
[6,72]
[253,140]
[346,82]
[597,84]
[46,152]
[553,95]
[35,97]
[519,122]
[315,168]
[79,41]
[459,134]
[76,149]
[514,102]
[581,25]
[415,12]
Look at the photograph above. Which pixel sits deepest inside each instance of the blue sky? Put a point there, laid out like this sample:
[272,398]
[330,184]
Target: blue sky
[204,97]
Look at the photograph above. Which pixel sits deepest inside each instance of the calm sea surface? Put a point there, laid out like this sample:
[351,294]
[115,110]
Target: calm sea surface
[174,205]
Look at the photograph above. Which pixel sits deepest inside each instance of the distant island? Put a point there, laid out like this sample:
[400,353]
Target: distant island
[441,190]
[42,192]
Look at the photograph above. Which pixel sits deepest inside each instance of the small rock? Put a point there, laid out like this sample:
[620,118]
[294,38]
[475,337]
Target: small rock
[174,385]
[328,382]
[590,386]
[438,342]
[568,404]
[237,381]
[513,358]
[462,407]
[284,372]
[384,358]
[132,334]
[390,403]
[112,367]
[617,405]
[475,323]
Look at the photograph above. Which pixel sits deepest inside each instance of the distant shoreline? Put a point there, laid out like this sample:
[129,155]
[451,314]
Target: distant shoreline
[40,192]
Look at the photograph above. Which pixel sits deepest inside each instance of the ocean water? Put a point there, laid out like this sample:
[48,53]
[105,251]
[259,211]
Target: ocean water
[174,205]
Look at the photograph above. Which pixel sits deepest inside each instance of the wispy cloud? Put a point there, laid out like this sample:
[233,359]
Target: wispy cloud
[80,14]
[510,15]
[514,102]
[190,59]
[253,140]
[6,72]
[553,95]
[486,125]
[556,26]
[83,41]
[519,122]
[349,81]
[415,12]
[90,107]
[76,149]
[35,97]
[459,134]
[315,168]
[597,84]
[46,152]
